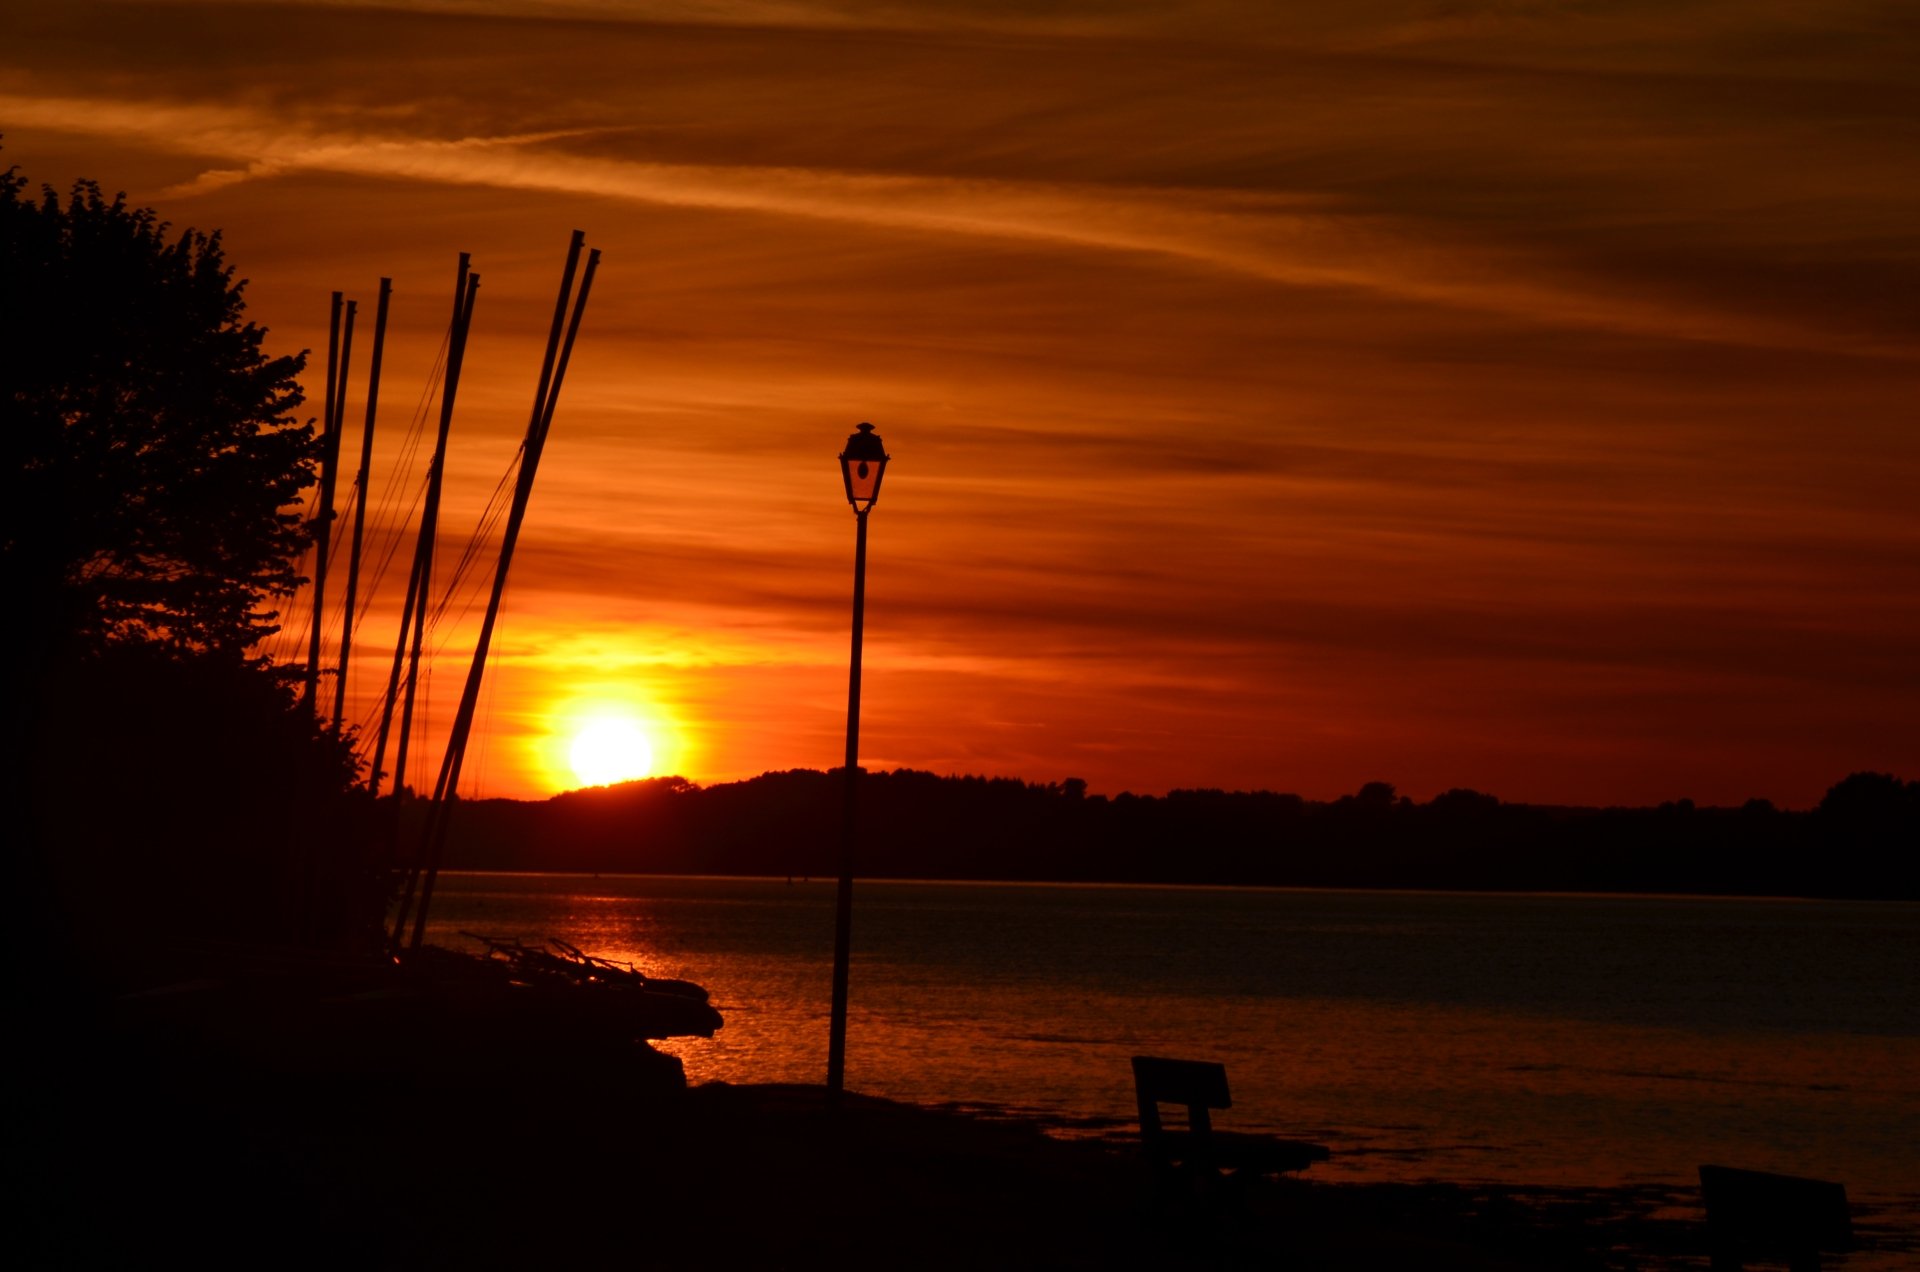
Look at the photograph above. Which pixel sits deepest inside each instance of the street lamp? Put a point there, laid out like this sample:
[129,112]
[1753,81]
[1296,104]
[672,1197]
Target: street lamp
[862,464]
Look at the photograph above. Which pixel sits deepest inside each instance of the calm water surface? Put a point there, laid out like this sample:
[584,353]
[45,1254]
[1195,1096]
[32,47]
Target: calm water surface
[1587,1041]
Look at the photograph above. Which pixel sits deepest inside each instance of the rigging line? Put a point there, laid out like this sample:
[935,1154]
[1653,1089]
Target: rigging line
[342,525]
[385,523]
[387,530]
[453,627]
[340,519]
[408,450]
[306,624]
[464,585]
[303,594]
[419,764]
[330,623]
[459,586]
[460,582]
[413,629]
[433,841]
[470,555]
[405,458]
[337,612]
[393,542]
[269,644]
[469,596]
[421,411]
[411,440]
[373,713]
[384,540]
[487,698]
[490,515]
[299,601]
[487,529]
[385,526]
[330,627]
[353,499]
[299,604]
[455,589]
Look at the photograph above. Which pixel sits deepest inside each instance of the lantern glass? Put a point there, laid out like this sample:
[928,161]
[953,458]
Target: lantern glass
[862,465]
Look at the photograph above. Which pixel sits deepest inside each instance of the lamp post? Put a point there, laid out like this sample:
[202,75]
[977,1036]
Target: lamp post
[862,465]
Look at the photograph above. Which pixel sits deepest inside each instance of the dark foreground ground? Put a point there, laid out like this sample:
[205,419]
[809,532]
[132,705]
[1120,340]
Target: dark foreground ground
[382,1129]
[238,1169]
[759,1177]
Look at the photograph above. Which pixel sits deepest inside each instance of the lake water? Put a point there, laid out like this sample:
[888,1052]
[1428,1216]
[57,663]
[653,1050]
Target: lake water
[1577,1041]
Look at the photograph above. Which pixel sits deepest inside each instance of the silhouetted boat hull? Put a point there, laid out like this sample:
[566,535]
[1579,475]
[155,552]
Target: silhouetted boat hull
[442,1018]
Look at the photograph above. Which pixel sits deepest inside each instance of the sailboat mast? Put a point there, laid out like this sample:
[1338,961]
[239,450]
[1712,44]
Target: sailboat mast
[469,284]
[360,505]
[393,684]
[546,397]
[323,513]
[336,429]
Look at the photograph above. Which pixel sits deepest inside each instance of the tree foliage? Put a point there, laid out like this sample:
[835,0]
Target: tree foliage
[187,795]
[167,785]
[152,460]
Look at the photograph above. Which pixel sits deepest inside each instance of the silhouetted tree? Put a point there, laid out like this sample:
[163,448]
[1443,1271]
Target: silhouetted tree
[1464,802]
[151,460]
[1867,827]
[188,795]
[167,784]
[1375,796]
[1870,799]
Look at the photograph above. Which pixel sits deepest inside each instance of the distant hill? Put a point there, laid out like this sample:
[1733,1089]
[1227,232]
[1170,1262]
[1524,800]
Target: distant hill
[1860,842]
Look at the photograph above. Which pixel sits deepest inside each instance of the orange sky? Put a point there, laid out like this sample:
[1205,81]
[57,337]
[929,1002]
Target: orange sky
[1512,395]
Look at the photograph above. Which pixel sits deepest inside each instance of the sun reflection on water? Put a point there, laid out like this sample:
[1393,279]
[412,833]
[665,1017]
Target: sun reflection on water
[1450,1040]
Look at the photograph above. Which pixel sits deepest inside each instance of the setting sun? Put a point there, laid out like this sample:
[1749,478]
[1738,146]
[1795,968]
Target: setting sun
[610,749]
[606,732]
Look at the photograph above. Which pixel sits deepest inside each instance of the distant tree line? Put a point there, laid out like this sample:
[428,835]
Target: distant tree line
[1860,841]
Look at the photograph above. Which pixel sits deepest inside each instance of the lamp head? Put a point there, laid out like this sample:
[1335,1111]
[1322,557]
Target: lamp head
[862,464]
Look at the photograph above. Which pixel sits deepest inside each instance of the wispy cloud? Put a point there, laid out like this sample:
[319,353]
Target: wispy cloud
[1297,241]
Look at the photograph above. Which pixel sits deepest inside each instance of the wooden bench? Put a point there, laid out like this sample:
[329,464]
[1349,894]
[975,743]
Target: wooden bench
[1754,1215]
[1199,1153]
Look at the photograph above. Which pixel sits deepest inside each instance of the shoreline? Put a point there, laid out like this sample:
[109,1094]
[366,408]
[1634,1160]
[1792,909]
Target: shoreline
[324,1113]
[816,881]
[570,1163]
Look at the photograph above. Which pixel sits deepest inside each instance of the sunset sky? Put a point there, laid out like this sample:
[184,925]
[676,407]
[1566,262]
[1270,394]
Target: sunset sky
[1523,395]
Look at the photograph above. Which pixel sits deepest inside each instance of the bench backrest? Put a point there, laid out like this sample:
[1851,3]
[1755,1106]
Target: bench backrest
[1198,1084]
